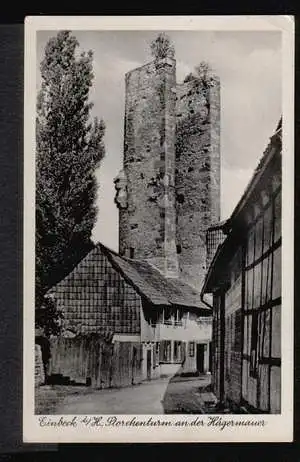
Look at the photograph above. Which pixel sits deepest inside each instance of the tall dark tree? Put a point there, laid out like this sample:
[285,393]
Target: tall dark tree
[69,150]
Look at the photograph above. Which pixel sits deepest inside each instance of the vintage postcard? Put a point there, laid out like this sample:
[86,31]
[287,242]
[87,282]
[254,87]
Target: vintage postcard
[158,229]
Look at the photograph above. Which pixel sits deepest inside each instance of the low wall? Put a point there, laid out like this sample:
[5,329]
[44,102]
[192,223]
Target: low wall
[39,374]
[96,362]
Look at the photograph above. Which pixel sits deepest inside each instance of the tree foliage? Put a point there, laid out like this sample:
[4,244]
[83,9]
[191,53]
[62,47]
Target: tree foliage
[162,47]
[69,149]
[203,74]
[48,317]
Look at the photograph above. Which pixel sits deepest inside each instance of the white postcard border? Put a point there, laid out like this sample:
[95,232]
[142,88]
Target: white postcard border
[277,428]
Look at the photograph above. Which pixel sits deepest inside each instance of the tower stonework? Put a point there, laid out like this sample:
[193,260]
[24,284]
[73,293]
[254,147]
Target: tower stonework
[168,192]
[146,186]
[197,178]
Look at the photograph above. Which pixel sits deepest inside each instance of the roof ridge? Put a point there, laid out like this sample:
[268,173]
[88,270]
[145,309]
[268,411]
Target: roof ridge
[183,282]
[146,279]
[115,264]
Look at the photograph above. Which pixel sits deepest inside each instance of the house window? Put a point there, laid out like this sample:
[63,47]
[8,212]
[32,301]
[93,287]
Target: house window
[157,349]
[277,217]
[155,355]
[179,316]
[184,318]
[236,266]
[191,349]
[254,341]
[165,351]
[177,352]
[152,320]
[168,316]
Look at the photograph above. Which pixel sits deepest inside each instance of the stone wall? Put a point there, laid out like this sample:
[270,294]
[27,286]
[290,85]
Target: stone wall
[39,374]
[197,174]
[147,220]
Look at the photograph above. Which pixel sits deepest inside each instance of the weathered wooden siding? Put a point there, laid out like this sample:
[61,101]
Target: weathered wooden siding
[91,359]
[233,336]
[95,298]
[246,344]
[249,372]
[217,346]
[262,322]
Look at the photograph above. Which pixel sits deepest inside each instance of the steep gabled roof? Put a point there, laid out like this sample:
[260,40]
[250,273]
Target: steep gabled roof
[153,285]
[146,280]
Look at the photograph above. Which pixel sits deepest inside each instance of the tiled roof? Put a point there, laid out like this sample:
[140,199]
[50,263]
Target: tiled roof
[153,285]
[83,286]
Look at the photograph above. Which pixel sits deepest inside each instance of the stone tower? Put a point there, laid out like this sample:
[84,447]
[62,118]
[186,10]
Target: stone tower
[146,186]
[197,178]
[168,192]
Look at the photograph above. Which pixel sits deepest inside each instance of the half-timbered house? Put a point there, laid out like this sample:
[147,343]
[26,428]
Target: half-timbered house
[245,280]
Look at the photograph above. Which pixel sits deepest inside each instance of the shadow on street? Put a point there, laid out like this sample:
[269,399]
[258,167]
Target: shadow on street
[183,395]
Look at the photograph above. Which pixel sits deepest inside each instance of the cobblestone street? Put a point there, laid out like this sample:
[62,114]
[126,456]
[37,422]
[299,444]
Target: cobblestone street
[160,396]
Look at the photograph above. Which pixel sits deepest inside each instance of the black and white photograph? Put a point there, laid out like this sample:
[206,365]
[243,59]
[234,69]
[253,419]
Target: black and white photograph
[159,191]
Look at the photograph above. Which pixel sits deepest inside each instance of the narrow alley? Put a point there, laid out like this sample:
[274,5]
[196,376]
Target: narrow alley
[162,396]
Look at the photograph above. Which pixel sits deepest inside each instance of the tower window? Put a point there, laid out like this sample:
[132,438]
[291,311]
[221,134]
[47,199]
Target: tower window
[180,198]
[131,252]
[178,248]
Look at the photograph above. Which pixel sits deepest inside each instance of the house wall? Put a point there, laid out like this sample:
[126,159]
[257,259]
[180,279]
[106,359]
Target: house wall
[227,335]
[191,328]
[100,341]
[233,333]
[262,321]
[247,311]
[159,333]
[217,345]
[95,298]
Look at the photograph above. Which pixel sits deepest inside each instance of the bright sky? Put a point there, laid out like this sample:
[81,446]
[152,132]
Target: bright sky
[249,67]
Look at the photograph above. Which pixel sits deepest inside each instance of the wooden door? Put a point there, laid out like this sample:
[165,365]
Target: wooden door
[200,358]
[148,364]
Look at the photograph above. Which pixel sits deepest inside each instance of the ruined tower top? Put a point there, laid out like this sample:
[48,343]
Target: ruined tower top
[162,47]
[203,74]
